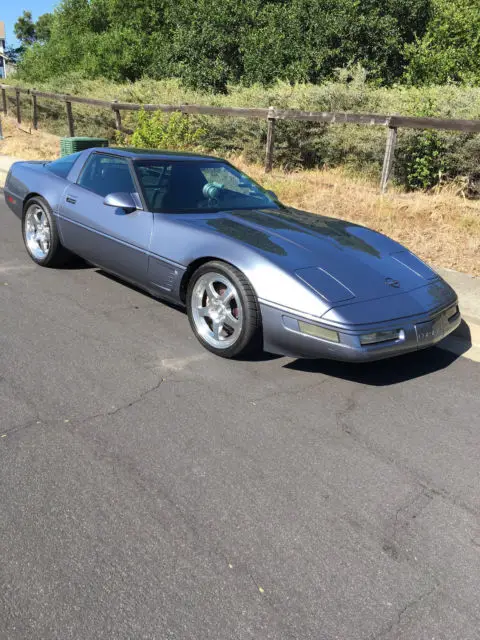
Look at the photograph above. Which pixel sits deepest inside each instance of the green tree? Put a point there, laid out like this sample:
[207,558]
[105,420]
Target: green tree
[24,28]
[117,39]
[211,43]
[14,54]
[450,49]
[43,27]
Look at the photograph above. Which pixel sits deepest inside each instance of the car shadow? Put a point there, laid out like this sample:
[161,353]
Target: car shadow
[463,332]
[260,356]
[75,263]
[144,292]
[384,372]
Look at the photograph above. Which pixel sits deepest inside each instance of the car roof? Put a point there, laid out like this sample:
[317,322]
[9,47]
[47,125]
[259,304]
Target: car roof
[154,154]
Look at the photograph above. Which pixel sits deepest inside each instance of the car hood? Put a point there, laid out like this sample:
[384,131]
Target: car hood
[341,261]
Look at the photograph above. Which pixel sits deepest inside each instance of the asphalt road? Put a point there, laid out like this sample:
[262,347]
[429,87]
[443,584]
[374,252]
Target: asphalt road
[151,490]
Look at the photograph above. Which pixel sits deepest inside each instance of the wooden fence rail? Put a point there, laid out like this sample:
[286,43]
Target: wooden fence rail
[271,115]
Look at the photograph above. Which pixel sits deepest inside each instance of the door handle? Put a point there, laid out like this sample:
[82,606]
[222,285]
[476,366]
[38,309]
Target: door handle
[71,200]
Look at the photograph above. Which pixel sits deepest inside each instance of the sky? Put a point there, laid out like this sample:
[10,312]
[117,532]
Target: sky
[10,11]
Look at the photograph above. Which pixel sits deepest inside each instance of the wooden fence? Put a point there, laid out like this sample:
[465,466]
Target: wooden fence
[271,115]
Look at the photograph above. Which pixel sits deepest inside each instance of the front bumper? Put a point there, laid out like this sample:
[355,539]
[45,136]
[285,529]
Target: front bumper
[282,335]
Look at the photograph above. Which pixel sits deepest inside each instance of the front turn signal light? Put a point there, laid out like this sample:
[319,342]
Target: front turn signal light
[318,332]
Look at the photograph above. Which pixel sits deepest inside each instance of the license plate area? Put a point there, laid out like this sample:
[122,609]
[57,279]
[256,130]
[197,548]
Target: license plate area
[430,331]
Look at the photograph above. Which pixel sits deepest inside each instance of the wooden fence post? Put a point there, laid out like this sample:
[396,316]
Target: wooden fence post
[71,125]
[270,140]
[4,101]
[34,110]
[388,158]
[17,101]
[118,117]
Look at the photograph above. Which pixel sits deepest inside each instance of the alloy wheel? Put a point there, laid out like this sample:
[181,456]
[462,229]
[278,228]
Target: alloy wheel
[37,232]
[216,310]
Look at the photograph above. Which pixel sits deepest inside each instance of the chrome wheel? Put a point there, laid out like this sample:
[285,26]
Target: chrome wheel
[216,310]
[37,232]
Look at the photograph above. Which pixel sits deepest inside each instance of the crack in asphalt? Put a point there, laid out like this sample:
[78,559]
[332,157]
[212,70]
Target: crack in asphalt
[391,544]
[414,602]
[191,531]
[378,452]
[383,633]
[21,427]
[123,407]
[110,412]
[101,414]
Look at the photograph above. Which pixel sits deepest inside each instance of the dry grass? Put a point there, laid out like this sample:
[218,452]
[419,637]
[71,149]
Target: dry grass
[442,228]
[22,141]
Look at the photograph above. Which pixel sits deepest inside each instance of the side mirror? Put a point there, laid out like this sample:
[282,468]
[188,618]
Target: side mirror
[121,200]
[272,194]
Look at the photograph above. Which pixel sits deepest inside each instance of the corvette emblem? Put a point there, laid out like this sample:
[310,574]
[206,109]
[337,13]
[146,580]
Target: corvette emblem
[392,283]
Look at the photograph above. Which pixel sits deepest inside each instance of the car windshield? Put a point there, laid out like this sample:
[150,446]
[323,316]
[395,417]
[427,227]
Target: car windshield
[199,186]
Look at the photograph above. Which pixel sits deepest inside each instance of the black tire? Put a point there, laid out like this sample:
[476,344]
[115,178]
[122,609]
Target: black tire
[56,255]
[249,340]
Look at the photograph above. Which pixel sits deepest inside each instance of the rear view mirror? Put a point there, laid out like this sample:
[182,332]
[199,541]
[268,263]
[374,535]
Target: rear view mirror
[121,200]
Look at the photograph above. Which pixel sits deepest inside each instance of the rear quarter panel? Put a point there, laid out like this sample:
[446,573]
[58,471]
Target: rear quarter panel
[28,178]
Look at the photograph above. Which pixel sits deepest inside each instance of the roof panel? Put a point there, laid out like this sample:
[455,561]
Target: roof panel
[155,153]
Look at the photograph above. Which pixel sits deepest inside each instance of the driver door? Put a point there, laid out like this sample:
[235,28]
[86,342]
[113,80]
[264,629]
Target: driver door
[106,236]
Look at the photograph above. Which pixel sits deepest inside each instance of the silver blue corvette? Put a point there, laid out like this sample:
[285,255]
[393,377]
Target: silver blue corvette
[251,272]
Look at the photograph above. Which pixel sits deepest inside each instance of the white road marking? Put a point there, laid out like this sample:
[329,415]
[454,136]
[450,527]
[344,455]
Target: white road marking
[178,364]
[9,267]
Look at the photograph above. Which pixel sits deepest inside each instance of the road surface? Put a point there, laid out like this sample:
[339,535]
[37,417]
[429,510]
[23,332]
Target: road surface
[149,490]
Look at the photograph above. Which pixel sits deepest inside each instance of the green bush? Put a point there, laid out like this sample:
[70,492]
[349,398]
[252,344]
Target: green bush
[161,131]
[421,160]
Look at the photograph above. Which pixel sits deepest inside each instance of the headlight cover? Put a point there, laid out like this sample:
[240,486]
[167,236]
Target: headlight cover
[382,336]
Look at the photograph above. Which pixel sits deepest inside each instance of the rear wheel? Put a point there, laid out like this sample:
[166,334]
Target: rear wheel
[40,234]
[223,310]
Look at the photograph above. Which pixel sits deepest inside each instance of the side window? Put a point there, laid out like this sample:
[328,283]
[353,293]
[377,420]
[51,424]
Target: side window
[62,166]
[104,174]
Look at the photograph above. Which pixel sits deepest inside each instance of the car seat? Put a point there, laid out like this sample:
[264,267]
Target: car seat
[184,189]
[116,177]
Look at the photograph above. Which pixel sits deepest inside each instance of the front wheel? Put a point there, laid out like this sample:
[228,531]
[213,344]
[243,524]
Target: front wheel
[223,310]
[40,234]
